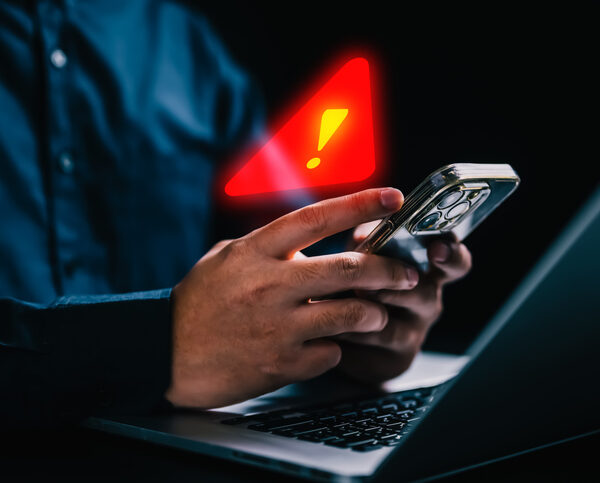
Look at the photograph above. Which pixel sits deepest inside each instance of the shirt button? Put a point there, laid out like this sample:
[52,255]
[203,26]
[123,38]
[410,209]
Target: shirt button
[58,58]
[66,164]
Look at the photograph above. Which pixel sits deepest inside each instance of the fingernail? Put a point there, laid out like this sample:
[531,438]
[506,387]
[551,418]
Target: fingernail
[391,198]
[440,252]
[412,276]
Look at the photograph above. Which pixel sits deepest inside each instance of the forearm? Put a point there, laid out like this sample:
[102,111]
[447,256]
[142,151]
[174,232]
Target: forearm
[83,355]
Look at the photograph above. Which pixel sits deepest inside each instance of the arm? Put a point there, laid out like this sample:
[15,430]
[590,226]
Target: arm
[83,355]
[244,323]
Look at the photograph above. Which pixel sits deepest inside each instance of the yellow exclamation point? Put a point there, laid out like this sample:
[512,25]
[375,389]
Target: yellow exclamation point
[330,121]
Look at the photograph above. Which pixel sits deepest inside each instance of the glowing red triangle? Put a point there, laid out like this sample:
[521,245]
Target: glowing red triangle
[348,154]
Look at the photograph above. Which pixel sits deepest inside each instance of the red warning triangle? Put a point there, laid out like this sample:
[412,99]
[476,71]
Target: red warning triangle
[328,141]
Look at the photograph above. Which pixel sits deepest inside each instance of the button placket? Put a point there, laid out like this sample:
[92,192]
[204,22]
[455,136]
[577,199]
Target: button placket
[68,217]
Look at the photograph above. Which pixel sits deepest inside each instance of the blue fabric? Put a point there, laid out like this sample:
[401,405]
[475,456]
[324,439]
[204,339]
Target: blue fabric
[146,106]
[114,117]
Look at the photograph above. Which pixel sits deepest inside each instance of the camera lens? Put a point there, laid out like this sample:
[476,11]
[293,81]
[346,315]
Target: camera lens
[450,199]
[457,210]
[429,221]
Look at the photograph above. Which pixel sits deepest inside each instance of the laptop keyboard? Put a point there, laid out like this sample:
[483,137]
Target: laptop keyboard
[360,425]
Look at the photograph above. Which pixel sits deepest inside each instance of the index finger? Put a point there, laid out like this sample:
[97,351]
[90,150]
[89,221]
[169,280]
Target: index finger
[301,228]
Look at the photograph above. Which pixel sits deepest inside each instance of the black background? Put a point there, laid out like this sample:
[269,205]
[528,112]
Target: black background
[460,83]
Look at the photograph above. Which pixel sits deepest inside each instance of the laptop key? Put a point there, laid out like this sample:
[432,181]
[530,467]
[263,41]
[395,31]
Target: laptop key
[327,437]
[293,414]
[282,414]
[359,440]
[391,441]
[370,411]
[336,442]
[314,429]
[340,425]
[283,423]
[328,419]
[396,425]
[350,443]
[409,403]
[367,447]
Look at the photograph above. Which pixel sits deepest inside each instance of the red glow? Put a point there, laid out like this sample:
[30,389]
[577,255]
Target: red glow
[347,156]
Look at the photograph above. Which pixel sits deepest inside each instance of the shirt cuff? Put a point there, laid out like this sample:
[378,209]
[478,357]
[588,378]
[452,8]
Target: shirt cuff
[109,354]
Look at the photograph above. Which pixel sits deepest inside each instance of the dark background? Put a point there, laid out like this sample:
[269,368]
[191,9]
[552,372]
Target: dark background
[469,83]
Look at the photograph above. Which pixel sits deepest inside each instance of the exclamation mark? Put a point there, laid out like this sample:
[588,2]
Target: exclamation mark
[330,121]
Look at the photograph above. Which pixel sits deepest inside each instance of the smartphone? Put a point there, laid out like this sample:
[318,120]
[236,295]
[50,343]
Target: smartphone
[453,200]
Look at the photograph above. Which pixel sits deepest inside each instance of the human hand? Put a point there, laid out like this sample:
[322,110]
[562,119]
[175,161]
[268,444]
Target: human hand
[381,355]
[243,319]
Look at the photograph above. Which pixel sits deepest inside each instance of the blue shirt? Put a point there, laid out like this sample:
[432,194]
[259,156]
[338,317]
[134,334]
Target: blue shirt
[114,117]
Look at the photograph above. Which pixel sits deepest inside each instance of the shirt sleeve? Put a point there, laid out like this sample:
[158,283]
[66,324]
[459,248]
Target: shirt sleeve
[82,356]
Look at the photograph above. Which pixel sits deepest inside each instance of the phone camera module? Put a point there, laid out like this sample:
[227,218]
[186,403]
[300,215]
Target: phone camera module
[450,199]
[429,221]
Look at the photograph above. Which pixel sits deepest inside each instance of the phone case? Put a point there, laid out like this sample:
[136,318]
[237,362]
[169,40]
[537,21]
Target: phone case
[454,199]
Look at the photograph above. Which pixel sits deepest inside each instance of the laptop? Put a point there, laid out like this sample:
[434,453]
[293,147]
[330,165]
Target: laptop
[531,379]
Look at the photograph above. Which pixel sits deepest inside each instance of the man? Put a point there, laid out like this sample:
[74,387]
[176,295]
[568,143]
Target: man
[114,117]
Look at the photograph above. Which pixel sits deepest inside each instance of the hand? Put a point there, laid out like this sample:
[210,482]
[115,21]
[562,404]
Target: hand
[381,355]
[244,322]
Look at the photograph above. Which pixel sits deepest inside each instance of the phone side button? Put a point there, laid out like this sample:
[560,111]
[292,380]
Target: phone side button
[384,232]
